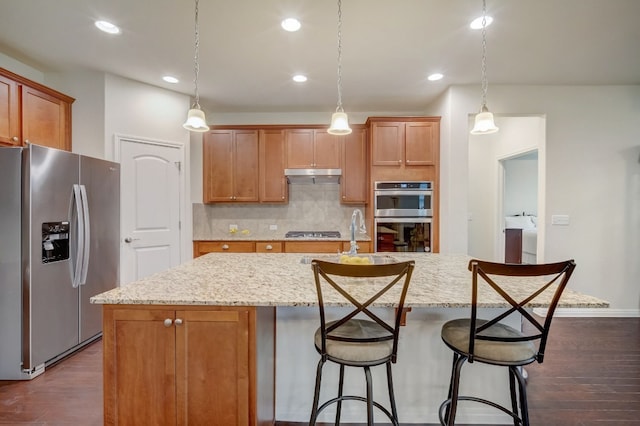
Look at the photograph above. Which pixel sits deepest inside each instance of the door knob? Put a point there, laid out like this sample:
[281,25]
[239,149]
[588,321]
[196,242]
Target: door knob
[129,239]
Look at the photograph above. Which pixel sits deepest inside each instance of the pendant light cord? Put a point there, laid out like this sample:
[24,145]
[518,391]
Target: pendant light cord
[485,83]
[339,107]
[196,60]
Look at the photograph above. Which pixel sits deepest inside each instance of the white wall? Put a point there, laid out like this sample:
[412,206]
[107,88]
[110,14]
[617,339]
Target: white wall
[517,135]
[87,111]
[592,174]
[521,185]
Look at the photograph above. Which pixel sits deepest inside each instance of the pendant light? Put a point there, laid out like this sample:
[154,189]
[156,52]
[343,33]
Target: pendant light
[339,120]
[196,121]
[484,123]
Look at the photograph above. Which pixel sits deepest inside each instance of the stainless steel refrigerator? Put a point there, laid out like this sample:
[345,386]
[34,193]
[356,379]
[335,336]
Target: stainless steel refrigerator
[59,245]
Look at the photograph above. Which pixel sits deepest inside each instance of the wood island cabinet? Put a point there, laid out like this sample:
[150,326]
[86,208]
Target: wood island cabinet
[181,365]
[230,166]
[33,113]
[312,148]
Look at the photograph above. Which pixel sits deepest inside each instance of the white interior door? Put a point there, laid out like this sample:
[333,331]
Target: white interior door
[150,205]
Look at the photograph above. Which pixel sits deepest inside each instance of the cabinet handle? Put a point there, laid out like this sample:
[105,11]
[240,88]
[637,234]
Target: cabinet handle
[168,322]
[269,247]
[15,139]
[225,247]
[178,321]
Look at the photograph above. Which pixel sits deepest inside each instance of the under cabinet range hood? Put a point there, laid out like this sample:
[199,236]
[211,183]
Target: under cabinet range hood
[296,176]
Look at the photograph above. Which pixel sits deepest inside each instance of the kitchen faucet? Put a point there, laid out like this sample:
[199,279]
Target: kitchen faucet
[353,249]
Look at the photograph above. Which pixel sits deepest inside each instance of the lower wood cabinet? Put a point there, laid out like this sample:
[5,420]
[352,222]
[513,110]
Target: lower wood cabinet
[203,247]
[181,365]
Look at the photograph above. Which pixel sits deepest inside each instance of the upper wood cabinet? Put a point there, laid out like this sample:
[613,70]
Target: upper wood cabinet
[354,182]
[230,166]
[33,113]
[312,148]
[273,183]
[410,142]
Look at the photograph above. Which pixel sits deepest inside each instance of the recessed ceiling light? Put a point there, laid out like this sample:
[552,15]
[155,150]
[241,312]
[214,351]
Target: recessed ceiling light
[170,79]
[435,77]
[107,27]
[476,24]
[299,78]
[291,24]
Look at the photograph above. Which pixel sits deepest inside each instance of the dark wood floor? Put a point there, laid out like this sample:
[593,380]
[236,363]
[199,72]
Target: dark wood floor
[590,377]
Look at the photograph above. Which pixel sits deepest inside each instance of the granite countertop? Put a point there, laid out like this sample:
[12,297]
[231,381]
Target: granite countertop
[281,279]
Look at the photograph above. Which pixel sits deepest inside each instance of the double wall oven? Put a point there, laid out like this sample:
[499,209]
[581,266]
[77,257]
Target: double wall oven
[403,215]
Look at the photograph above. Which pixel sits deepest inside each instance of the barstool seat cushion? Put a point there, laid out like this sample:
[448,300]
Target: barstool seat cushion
[456,334]
[357,351]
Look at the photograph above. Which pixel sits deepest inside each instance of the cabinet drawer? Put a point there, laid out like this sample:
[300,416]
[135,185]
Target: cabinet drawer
[204,247]
[313,246]
[363,246]
[268,247]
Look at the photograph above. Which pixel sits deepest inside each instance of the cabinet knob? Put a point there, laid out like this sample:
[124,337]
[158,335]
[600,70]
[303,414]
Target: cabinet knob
[225,247]
[27,141]
[168,322]
[399,161]
[178,321]
[15,139]
[269,247]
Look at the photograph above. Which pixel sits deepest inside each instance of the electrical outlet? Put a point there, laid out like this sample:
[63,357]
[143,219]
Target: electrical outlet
[273,227]
[233,227]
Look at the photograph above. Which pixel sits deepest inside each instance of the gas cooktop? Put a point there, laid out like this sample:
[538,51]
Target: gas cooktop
[312,234]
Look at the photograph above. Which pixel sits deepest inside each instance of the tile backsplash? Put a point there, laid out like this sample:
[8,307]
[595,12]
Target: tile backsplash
[310,208]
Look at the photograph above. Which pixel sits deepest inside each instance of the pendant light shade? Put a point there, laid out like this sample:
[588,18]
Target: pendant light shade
[339,124]
[339,120]
[484,123]
[196,121]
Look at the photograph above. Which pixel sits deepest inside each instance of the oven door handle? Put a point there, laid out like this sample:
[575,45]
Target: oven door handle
[419,192]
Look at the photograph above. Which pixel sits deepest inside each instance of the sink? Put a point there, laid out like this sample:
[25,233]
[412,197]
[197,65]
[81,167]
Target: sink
[376,259]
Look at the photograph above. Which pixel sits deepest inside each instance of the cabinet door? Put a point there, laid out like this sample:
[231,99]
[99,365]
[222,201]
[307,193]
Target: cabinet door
[217,166]
[9,112]
[273,184]
[299,145]
[420,144]
[355,180]
[212,359]
[326,150]
[139,364]
[387,143]
[245,166]
[46,120]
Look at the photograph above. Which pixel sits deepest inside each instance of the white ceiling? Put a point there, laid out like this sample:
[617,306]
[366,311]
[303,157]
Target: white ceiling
[389,47]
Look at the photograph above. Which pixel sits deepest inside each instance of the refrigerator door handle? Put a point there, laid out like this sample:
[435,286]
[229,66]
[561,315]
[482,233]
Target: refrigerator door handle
[87,235]
[77,197]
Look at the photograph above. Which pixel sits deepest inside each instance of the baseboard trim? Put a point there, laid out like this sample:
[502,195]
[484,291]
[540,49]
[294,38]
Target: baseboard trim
[591,312]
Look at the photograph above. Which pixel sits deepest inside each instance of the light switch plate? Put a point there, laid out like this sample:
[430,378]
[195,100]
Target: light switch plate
[560,219]
[233,227]
[273,227]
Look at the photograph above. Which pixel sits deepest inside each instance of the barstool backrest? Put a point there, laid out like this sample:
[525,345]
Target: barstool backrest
[548,280]
[361,285]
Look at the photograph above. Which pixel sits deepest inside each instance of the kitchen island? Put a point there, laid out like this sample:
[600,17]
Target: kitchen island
[200,340]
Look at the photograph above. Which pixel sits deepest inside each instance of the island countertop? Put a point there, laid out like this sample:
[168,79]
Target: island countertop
[281,279]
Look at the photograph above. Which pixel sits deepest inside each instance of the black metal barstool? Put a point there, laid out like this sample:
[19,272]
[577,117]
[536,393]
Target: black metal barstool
[359,338]
[491,342]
